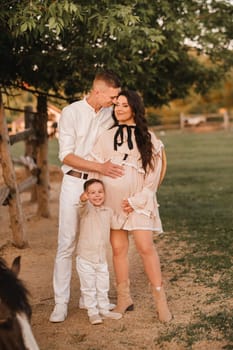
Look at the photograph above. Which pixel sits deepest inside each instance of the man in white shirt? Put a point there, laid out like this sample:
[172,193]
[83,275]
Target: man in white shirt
[81,123]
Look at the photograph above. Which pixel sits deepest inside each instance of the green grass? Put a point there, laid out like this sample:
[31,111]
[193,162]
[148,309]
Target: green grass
[17,150]
[197,194]
[221,322]
[196,206]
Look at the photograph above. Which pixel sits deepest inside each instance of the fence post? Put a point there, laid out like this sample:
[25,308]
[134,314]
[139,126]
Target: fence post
[42,157]
[225,120]
[30,145]
[15,207]
[182,117]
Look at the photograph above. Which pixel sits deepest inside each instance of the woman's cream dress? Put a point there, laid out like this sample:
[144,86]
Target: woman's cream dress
[134,185]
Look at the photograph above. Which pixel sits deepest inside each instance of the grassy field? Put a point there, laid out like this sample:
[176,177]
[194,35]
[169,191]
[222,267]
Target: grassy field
[196,201]
[197,194]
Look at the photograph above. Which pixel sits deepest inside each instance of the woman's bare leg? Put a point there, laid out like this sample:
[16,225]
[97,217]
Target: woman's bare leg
[146,249]
[151,262]
[120,246]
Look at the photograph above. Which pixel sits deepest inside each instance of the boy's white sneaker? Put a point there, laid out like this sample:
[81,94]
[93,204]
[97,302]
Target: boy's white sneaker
[111,315]
[111,306]
[59,313]
[83,307]
[95,319]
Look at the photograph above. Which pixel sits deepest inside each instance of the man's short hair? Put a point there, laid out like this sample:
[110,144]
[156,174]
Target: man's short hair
[109,77]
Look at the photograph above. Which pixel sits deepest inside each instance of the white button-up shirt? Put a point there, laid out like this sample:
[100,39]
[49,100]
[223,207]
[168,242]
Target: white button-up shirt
[79,127]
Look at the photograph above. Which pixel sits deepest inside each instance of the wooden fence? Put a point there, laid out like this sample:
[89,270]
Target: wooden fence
[36,165]
[221,119]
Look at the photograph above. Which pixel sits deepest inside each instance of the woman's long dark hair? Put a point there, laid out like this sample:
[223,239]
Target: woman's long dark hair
[142,135]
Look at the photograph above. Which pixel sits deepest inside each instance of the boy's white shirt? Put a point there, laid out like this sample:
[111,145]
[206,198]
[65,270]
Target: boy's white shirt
[94,230]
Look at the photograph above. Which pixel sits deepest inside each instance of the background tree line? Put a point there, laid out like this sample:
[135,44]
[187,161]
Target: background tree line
[161,48]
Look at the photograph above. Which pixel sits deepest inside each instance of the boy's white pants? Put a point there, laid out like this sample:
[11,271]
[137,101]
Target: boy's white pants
[94,285]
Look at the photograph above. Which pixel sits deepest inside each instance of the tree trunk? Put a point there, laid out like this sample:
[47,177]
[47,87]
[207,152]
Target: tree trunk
[15,207]
[42,157]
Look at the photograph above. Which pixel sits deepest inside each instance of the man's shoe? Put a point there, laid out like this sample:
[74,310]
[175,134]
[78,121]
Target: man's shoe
[95,319]
[59,313]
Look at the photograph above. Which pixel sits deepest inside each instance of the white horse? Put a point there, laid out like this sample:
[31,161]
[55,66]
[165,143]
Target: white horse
[15,310]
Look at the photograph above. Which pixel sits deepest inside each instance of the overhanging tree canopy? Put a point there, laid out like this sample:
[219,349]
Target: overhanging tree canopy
[154,45]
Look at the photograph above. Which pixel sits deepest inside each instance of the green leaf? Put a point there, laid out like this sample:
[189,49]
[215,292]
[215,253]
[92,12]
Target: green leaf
[24,27]
[52,23]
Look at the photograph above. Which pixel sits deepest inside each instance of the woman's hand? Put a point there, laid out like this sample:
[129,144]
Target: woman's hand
[126,206]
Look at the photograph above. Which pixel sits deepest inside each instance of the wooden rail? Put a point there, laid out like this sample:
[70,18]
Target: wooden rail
[187,120]
[21,136]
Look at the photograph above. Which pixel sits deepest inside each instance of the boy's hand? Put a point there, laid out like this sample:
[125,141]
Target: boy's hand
[84,197]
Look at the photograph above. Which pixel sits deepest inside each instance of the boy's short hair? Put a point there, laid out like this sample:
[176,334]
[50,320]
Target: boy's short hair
[90,182]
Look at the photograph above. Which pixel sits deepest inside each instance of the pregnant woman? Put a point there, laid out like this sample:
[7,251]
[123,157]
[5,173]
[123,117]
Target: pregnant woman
[131,144]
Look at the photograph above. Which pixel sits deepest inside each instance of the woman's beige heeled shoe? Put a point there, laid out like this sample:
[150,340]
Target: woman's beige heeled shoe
[161,304]
[124,300]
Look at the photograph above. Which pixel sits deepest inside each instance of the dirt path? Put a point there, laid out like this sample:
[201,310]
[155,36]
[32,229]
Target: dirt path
[139,329]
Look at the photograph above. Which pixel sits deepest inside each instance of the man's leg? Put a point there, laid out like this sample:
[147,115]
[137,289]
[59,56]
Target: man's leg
[69,197]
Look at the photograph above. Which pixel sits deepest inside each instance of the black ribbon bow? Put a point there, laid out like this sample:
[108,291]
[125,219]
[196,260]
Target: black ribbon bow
[119,135]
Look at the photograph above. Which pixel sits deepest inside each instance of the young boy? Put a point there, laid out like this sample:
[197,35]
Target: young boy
[91,262]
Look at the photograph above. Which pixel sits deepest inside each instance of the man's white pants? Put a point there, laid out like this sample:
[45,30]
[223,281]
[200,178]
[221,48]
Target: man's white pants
[94,285]
[71,189]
